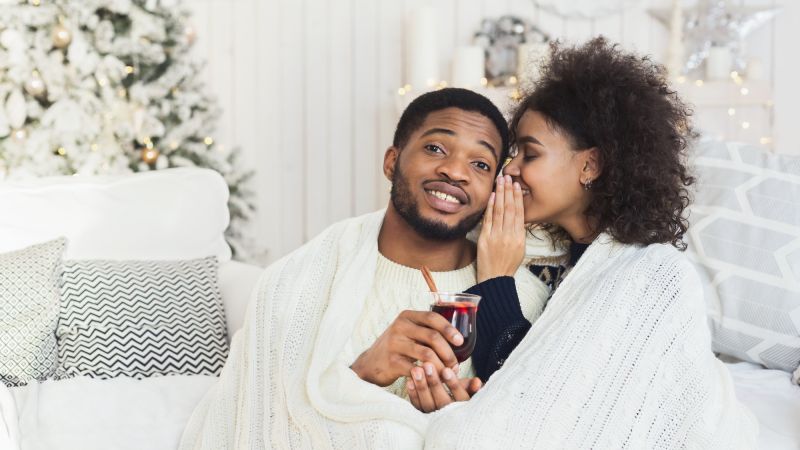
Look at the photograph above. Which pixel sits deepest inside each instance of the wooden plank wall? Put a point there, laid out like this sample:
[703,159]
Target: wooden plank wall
[308,92]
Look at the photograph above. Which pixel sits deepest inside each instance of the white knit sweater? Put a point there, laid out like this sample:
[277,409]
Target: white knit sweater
[397,288]
[620,359]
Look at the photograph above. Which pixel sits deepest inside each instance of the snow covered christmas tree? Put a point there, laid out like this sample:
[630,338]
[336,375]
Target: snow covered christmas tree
[108,87]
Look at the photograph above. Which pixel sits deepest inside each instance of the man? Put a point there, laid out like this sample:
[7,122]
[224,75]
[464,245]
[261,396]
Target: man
[333,326]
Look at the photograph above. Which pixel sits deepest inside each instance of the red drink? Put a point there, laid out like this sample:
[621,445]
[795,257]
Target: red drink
[461,315]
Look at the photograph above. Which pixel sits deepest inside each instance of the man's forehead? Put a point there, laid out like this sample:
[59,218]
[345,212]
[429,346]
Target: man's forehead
[456,119]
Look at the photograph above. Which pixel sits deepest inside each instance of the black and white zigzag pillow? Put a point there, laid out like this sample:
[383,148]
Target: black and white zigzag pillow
[140,319]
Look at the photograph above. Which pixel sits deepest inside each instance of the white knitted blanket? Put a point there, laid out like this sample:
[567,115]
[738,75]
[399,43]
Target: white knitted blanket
[619,359]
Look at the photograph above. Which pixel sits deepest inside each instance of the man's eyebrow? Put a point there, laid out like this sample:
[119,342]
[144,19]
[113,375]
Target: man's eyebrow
[485,144]
[528,140]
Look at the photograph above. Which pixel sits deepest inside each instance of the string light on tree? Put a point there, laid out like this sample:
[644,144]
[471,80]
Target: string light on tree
[19,135]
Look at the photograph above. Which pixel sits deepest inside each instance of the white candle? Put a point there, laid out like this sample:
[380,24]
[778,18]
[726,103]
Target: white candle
[421,60]
[718,63]
[755,69]
[529,59]
[468,66]
[675,50]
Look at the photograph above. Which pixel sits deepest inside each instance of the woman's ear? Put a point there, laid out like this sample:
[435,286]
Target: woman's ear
[389,161]
[592,164]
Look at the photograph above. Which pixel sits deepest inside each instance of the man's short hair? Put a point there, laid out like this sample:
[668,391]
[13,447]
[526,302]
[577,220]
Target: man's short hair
[417,111]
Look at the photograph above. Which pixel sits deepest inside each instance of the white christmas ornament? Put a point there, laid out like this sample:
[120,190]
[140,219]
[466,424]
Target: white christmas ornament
[16,109]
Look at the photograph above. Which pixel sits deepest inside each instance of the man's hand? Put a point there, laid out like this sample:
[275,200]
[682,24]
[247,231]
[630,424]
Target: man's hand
[427,392]
[501,245]
[413,336]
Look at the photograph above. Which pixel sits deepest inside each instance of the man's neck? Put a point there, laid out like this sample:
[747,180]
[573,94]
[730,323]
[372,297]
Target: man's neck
[400,243]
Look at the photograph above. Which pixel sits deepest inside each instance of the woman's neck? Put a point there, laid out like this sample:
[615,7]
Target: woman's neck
[580,228]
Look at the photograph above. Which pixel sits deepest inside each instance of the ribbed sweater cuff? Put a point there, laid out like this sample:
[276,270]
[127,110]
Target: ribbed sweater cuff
[499,306]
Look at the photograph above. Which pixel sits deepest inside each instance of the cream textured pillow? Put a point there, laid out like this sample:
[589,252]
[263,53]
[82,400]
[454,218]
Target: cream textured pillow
[745,240]
[29,298]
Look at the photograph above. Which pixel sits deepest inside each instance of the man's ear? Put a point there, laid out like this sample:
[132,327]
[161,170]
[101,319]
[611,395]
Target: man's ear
[389,161]
[592,164]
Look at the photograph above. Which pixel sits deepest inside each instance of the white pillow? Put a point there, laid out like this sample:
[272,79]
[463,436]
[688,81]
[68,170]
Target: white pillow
[743,238]
[170,214]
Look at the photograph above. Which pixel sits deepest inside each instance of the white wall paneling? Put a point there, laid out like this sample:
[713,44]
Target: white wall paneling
[307,89]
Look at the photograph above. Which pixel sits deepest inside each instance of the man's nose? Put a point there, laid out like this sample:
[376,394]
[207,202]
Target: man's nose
[454,168]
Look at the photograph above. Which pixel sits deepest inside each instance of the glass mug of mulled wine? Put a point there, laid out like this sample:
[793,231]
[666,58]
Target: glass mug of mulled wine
[461,310]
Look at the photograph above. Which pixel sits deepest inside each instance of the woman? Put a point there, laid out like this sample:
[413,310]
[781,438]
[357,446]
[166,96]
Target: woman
[621,355]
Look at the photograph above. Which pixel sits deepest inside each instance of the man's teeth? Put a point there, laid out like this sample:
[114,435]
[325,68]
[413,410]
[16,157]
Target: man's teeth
[445,197]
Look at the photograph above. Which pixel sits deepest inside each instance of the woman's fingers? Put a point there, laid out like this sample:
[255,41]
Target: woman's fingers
[519,217]
[487,215]
[499,204]
[509,205]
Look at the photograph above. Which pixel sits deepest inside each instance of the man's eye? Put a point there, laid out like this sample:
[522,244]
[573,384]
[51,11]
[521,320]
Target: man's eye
[483,166]
[434,148]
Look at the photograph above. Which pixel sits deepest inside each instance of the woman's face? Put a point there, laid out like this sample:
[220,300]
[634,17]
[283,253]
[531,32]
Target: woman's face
[550,172]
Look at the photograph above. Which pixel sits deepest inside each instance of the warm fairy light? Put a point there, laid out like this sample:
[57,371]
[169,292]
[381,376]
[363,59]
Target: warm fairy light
[731,112]
[745,125]
[61,151]
[173,145]
[484,81]
[122,93]
[129,69]
[431,82]
[681,79]
[698,83]
[765,140]
[512,80]
[401,91]
[208,140]
[744,91]
[94,147]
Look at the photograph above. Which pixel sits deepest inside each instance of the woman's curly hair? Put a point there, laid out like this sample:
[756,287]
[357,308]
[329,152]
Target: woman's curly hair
[600,96]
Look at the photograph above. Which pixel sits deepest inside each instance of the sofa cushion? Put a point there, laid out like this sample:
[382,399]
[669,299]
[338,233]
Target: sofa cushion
[745,240]
[29,296]
[141,318]
[167,214]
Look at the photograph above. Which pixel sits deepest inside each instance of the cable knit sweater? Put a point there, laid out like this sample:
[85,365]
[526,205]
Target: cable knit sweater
[397,288]
[620,359]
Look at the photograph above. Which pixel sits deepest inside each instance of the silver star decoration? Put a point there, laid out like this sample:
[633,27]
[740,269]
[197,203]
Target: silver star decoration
[716,23]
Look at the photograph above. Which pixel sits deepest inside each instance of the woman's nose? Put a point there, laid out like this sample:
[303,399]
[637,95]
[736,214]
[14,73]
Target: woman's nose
[511,168]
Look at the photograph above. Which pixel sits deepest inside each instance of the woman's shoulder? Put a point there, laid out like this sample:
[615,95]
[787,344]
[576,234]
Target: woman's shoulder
[655,263]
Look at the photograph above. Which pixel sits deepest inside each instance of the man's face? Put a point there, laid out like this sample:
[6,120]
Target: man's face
[442,178]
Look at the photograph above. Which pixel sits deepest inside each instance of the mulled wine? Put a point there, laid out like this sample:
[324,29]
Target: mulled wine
[461,311]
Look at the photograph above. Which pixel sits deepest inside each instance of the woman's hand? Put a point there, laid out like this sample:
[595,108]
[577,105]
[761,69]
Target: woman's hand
[427,392]
[501,245]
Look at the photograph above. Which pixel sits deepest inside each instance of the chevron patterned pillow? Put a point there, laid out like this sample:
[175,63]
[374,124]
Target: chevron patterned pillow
[140,319]
[29,281]
[744,238]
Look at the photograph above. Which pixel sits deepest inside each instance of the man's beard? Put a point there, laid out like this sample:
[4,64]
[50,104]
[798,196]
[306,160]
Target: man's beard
[404,203]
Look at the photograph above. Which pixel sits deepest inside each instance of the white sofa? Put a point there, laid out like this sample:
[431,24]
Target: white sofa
[165,215]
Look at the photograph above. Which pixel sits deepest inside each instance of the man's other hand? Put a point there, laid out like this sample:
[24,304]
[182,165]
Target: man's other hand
[413,336]
[427,392]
